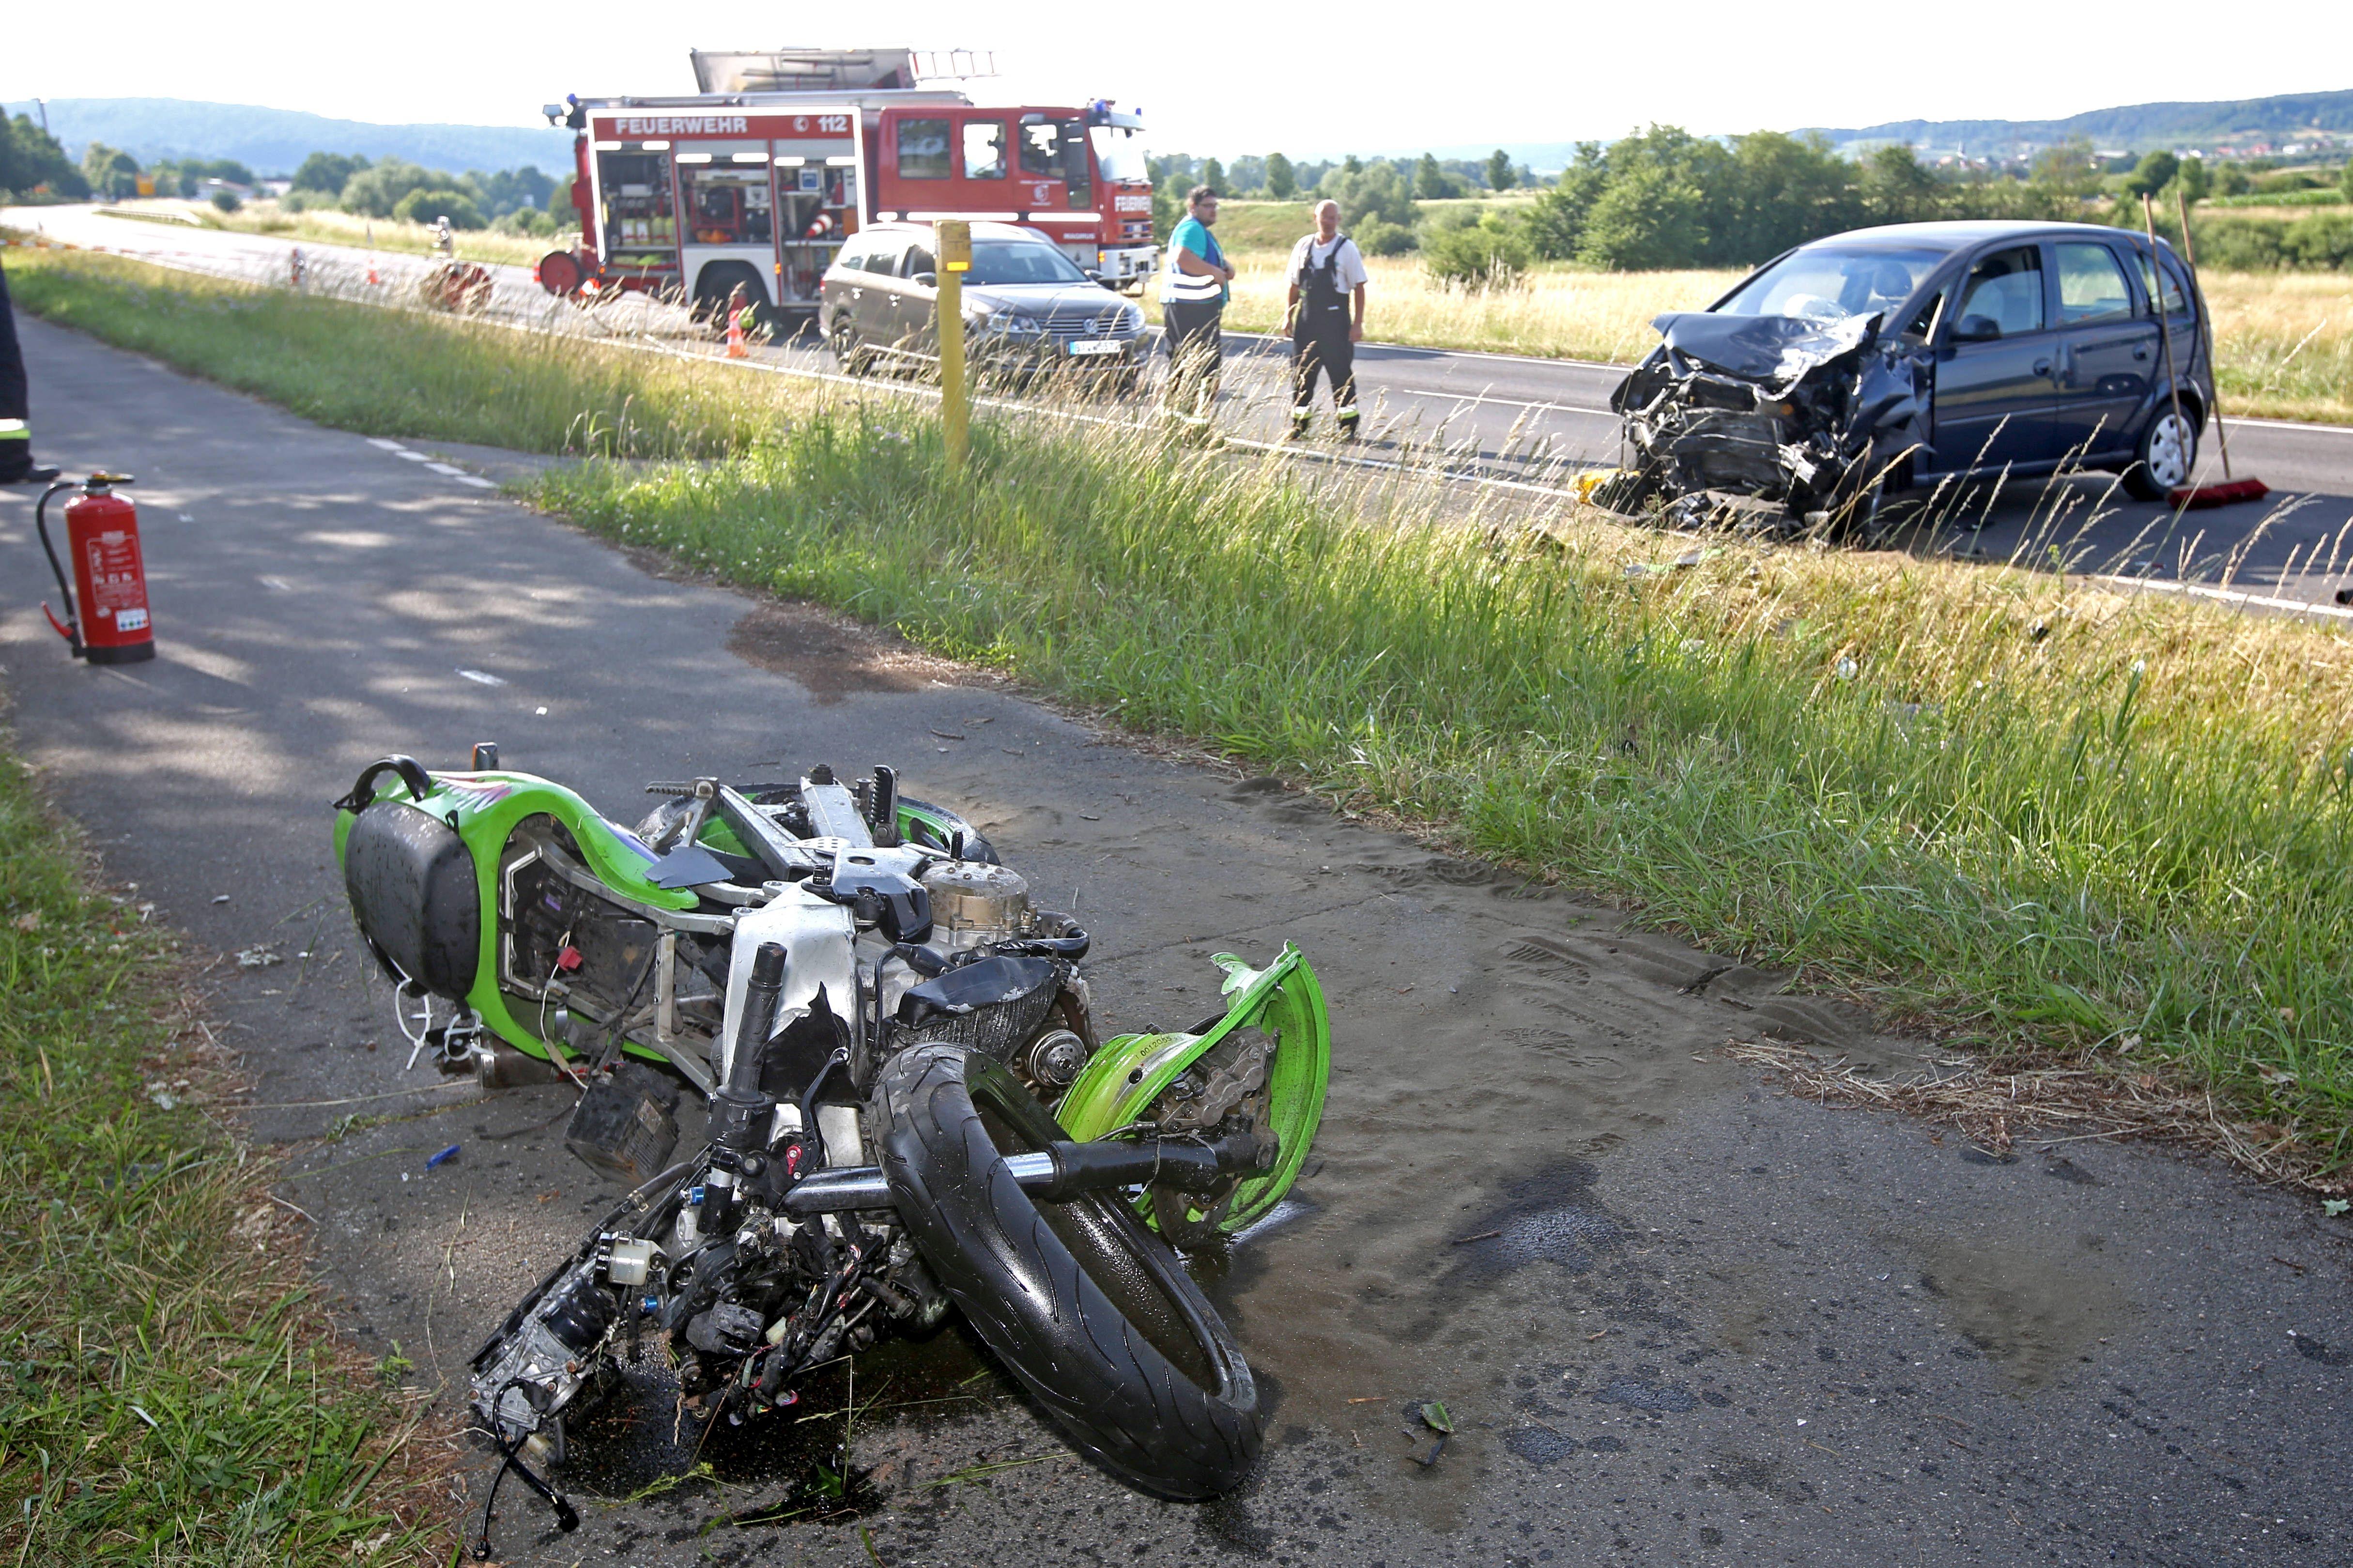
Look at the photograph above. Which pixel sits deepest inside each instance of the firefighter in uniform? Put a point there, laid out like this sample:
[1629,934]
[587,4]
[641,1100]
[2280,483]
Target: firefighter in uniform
[1327,321]
[16,465]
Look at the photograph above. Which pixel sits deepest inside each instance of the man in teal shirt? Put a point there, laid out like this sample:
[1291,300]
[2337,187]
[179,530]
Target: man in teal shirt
[1193,295]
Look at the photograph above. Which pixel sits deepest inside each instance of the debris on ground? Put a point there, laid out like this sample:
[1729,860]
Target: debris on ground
[2000,1110]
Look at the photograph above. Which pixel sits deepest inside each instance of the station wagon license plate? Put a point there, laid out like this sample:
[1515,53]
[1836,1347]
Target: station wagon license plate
[1087,347]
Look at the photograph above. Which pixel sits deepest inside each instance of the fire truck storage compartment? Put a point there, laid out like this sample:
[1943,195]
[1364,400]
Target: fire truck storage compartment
[728,232]
[639,230]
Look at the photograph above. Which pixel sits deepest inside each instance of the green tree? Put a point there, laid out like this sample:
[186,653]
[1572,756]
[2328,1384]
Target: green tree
[1213,174]
[1500,175]
[2068,171]
[1351,165]
[2345,180]
[327,173]
[1375,191]
[1476,254]
[1282,179]
[1894,186]
[1778,191]
[2193,179]
[1646,218]
[2155,172]
[1432,183]
[376,191]
[2230,180]
[1555,224]
[425,205]
[31,159]
[111,173]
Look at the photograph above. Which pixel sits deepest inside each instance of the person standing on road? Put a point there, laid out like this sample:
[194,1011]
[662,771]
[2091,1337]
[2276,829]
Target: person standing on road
[1326,319]
[16,465]
[1193,295]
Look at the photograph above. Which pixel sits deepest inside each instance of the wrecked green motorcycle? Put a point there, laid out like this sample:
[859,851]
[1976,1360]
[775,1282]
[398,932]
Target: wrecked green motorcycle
[910,1105]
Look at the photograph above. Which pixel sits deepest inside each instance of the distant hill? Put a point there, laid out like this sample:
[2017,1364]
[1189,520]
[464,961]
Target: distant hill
[2140,127]
[275,140]
[2242,123]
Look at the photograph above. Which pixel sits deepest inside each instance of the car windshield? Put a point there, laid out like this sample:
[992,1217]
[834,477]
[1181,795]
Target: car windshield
[1020,261]
[1120,153]
[1832,283]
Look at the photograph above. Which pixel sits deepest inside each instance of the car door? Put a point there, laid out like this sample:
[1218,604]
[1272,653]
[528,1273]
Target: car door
[2108,351]
[878,310]
[1995,396]
[917,302]
[843,287]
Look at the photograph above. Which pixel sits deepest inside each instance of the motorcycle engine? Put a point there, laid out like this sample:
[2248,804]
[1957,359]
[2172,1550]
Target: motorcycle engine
[972,902]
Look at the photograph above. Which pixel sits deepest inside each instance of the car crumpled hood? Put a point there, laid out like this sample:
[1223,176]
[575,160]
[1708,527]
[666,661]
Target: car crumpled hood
[1777,349]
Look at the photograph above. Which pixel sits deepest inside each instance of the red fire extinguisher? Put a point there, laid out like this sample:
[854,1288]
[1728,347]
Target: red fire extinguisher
[106,604]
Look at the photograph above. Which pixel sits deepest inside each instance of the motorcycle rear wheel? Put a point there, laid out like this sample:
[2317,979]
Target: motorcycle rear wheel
[1090,1312]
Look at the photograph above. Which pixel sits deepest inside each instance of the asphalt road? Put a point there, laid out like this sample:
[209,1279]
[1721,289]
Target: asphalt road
[1679,1317]
[1524,420]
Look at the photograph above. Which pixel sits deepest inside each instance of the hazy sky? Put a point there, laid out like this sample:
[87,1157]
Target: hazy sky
[1308,80]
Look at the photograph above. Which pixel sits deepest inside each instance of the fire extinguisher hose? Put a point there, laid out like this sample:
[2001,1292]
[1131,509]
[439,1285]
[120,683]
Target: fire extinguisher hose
[71,629]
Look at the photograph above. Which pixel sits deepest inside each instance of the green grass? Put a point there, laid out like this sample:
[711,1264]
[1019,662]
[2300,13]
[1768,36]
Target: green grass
[169,1390]
[2027,813]
[386,373]
[2133,823]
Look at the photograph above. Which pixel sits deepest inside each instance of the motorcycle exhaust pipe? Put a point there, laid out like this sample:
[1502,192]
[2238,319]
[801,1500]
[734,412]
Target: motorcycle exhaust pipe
[1059,1172]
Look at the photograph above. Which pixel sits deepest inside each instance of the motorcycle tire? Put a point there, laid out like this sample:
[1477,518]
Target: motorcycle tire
[1092,1313]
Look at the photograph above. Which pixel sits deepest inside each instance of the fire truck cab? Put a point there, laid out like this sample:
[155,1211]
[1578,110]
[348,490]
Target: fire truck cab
[755,181]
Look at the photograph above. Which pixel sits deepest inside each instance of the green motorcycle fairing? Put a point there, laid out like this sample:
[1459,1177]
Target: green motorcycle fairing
[1123,1079]
[484,809]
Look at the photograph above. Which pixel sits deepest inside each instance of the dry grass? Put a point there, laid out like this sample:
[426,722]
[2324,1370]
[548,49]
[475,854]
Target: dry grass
[2284,344]
[2108,1097]
[1562,312]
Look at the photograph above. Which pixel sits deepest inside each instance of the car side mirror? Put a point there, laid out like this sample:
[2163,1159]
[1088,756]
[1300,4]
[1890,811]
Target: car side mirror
[926,279]
[1093,275]
[1975,329]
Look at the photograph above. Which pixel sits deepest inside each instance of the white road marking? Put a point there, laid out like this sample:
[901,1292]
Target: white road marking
[388,446]
[481,678]
[446,469]
[280,584]
[478,482]
[412,457]
[2226,595]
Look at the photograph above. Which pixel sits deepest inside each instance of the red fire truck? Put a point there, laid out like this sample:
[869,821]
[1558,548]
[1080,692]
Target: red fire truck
[758,178]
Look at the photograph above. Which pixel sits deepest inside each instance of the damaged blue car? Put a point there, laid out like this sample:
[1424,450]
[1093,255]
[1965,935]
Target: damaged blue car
[1849,371]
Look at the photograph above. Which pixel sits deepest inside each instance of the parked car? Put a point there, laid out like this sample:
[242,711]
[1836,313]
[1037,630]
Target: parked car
[1028,308]
[1851,369]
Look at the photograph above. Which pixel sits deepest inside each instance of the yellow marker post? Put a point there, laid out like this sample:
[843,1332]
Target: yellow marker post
[954,238]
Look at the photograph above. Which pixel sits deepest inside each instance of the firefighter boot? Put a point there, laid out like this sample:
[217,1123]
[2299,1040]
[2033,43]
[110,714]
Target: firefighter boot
[1348,417]
[16,465]
[1300,420]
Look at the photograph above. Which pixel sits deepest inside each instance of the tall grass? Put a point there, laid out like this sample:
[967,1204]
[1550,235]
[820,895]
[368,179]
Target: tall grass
[391,373]
[2001,802]
[1989,801]
[169,1390]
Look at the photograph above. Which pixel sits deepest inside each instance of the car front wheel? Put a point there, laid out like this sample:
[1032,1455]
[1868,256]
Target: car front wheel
[2166,457]
[843,341]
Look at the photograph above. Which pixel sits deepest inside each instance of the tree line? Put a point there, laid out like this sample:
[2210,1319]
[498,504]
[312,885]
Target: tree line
[1664,198]
[511,201]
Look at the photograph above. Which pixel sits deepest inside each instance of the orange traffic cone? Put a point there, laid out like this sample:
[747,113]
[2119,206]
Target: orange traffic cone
[374,282]
[735,349]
